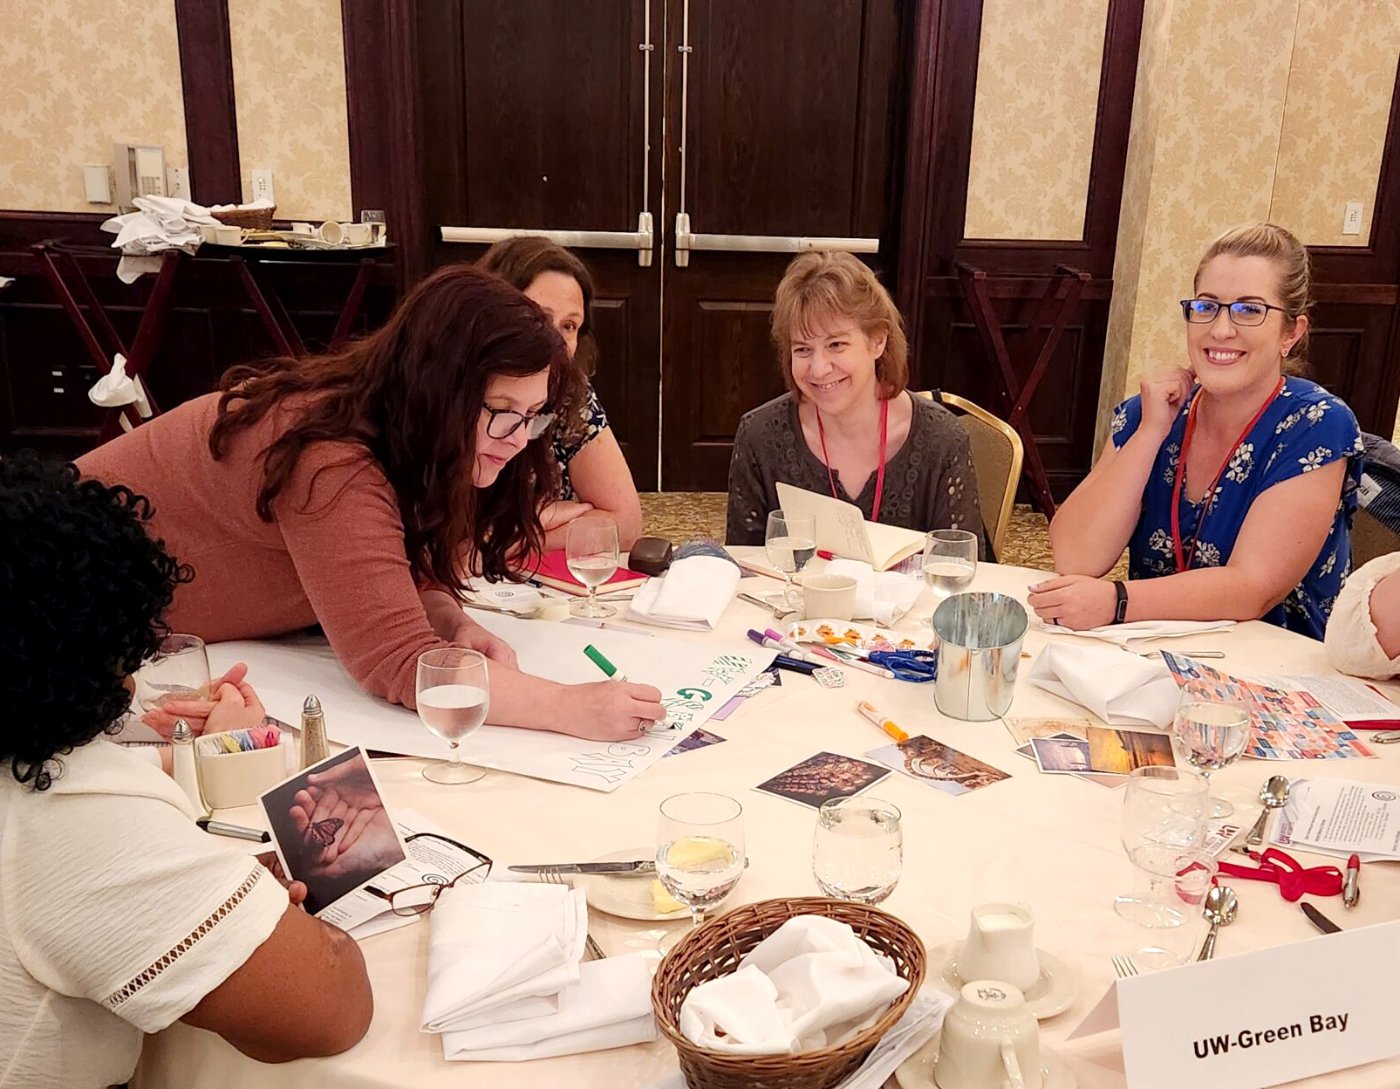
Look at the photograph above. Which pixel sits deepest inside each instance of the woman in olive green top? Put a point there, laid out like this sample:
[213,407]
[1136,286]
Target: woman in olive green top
[848,427]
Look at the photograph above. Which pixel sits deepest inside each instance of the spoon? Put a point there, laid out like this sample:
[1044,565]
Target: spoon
[1221,907]
[778,611]
[1274,795]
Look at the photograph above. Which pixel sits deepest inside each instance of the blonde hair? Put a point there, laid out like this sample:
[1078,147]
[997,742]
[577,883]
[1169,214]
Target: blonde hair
[827,285]
[1290,258]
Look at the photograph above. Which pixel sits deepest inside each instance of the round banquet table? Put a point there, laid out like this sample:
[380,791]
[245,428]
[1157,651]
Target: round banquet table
[1048,841]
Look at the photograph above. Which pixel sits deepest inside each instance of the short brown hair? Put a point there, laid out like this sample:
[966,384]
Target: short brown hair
[819,285]
[1289,256]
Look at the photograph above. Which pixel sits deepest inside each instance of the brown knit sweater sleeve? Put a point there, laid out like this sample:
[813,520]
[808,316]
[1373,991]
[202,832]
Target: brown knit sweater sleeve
[339,519]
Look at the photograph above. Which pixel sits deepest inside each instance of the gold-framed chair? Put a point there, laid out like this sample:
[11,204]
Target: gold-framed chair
[997,454]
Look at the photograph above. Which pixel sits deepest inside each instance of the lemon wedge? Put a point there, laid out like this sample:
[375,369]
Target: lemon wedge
[662,901]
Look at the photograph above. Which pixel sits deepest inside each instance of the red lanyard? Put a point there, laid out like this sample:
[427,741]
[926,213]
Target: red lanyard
[1183,556]
[879,473]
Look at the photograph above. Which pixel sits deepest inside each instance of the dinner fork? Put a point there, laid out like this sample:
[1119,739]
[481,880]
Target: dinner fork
[551,876]
[1124,966]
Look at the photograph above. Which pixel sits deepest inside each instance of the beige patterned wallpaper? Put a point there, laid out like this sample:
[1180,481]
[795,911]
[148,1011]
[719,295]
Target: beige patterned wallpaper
[1033,123]
[289,83]
[75,78]
[1344,57]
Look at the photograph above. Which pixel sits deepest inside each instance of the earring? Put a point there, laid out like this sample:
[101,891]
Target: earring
[1285,352]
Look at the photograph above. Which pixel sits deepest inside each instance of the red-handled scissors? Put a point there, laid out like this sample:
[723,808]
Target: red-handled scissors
[1292,877]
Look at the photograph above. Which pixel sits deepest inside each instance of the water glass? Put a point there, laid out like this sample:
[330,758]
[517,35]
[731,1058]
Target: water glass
[858,849]
[179,671]
[1210,735]
[1163,819]
[591,549]
[950,561]
[1174,883]
[700,849]
[453,694]
[790,544]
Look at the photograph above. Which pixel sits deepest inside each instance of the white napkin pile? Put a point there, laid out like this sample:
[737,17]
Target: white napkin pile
[158,224]
[505,980]
[117,388]
[1122,689]
[1123,634]
[883,596]
[693,594]
[811,983]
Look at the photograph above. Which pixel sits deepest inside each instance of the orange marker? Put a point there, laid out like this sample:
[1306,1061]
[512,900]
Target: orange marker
[869,711]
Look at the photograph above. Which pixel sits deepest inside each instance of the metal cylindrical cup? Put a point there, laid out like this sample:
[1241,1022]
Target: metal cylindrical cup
[979,648]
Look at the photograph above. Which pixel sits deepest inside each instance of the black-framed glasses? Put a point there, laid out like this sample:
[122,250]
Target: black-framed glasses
[1242,312]
[420,898]
[505,422]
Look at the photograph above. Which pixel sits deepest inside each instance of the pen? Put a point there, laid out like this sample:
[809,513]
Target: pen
[1351,887]
[857,662]
[596,656]
[784,647]
[782,661]
[869,711]
[233,831]
[826,554]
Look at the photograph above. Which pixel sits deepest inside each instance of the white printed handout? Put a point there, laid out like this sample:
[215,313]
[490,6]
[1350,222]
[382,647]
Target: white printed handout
[1337,817]
[695,681]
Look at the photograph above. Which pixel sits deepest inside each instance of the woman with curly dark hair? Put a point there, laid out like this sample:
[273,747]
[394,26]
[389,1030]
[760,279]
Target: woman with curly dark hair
[119,916]
[593,474]
[341,490]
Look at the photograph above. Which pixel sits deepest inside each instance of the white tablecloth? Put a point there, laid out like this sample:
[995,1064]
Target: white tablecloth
[1048,841]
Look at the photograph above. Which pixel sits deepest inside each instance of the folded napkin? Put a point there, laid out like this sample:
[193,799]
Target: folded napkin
[1122,689]
[883,596]
[811,983]
[1123,634]
[693,594]
[609,1006]
[494,945]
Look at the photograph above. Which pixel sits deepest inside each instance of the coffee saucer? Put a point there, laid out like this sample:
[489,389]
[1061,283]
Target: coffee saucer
[1053,993]
[916,1072]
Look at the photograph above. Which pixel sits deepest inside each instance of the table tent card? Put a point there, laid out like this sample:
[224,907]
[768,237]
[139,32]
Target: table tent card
[695,681]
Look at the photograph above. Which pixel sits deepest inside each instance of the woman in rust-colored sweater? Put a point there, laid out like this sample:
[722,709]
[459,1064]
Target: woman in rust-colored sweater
[341,489]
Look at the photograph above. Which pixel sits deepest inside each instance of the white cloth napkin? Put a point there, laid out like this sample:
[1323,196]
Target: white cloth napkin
[1122,689]
[116,388]
[811,983]
[882,596]
[609,1006]
[158,224]
[1123,634]
[497,943]
[693,594]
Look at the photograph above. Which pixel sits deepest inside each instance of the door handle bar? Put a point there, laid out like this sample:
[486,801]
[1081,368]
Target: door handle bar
[686,240]
[640,240]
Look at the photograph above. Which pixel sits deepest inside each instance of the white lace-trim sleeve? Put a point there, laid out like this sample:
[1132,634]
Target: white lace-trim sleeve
[1352,645]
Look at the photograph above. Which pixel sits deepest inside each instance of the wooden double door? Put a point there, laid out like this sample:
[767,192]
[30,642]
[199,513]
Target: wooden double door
[685,149]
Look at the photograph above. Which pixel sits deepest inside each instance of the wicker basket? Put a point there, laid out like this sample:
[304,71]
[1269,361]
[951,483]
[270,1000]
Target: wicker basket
[715,948]
[250,219]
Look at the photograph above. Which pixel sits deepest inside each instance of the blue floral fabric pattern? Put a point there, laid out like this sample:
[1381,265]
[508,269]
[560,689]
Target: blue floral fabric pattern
[566,448]
[1303,429]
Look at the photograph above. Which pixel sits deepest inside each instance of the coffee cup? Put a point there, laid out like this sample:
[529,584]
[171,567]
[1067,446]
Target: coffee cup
[303,228]
[331,232]
[989,1038]
[830,597]
[358,234]
[208,232]
[228,236]
[1000,945]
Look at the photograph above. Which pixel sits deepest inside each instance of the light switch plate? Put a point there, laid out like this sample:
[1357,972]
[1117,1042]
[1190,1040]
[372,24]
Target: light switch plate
[97,183]
[177,182]
[1351,220]
[262,185]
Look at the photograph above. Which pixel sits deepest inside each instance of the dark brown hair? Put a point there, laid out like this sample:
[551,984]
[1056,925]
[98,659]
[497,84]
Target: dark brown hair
[411,393]
[519,261]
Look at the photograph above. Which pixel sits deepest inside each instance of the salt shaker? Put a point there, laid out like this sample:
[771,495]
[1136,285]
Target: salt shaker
[182,764]
[314,747]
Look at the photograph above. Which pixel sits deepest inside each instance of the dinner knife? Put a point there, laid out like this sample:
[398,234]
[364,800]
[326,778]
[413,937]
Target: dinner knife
[1319,920]
[641,868]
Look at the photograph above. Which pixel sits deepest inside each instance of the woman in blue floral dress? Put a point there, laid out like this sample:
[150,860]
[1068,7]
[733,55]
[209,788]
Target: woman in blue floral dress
[1231,482]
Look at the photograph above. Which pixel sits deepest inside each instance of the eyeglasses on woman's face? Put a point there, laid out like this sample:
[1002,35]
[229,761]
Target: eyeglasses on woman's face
[420,898]
[502,423]
[1243,312]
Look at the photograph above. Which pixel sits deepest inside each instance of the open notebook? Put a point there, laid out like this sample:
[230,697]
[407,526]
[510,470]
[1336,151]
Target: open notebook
[843,530]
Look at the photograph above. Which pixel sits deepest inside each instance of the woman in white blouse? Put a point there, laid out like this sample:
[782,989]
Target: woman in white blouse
[118,916]
[1363,634]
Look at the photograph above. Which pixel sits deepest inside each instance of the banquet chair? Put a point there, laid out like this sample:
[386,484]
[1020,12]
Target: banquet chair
[996,455]
[1370,538]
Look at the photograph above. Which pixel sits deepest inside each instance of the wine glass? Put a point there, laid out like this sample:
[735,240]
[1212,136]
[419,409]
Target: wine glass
[790,544]
[950,560]
[453,695]
[592,553]
[179,671]
[700,851]
[1211,735]
[858,849]
[1163,821]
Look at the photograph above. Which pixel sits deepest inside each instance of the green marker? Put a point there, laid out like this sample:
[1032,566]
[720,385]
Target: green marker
[596,657]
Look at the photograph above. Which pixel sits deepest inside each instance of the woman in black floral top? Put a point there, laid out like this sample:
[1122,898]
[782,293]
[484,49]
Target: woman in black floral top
[848,427]
[593,472]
